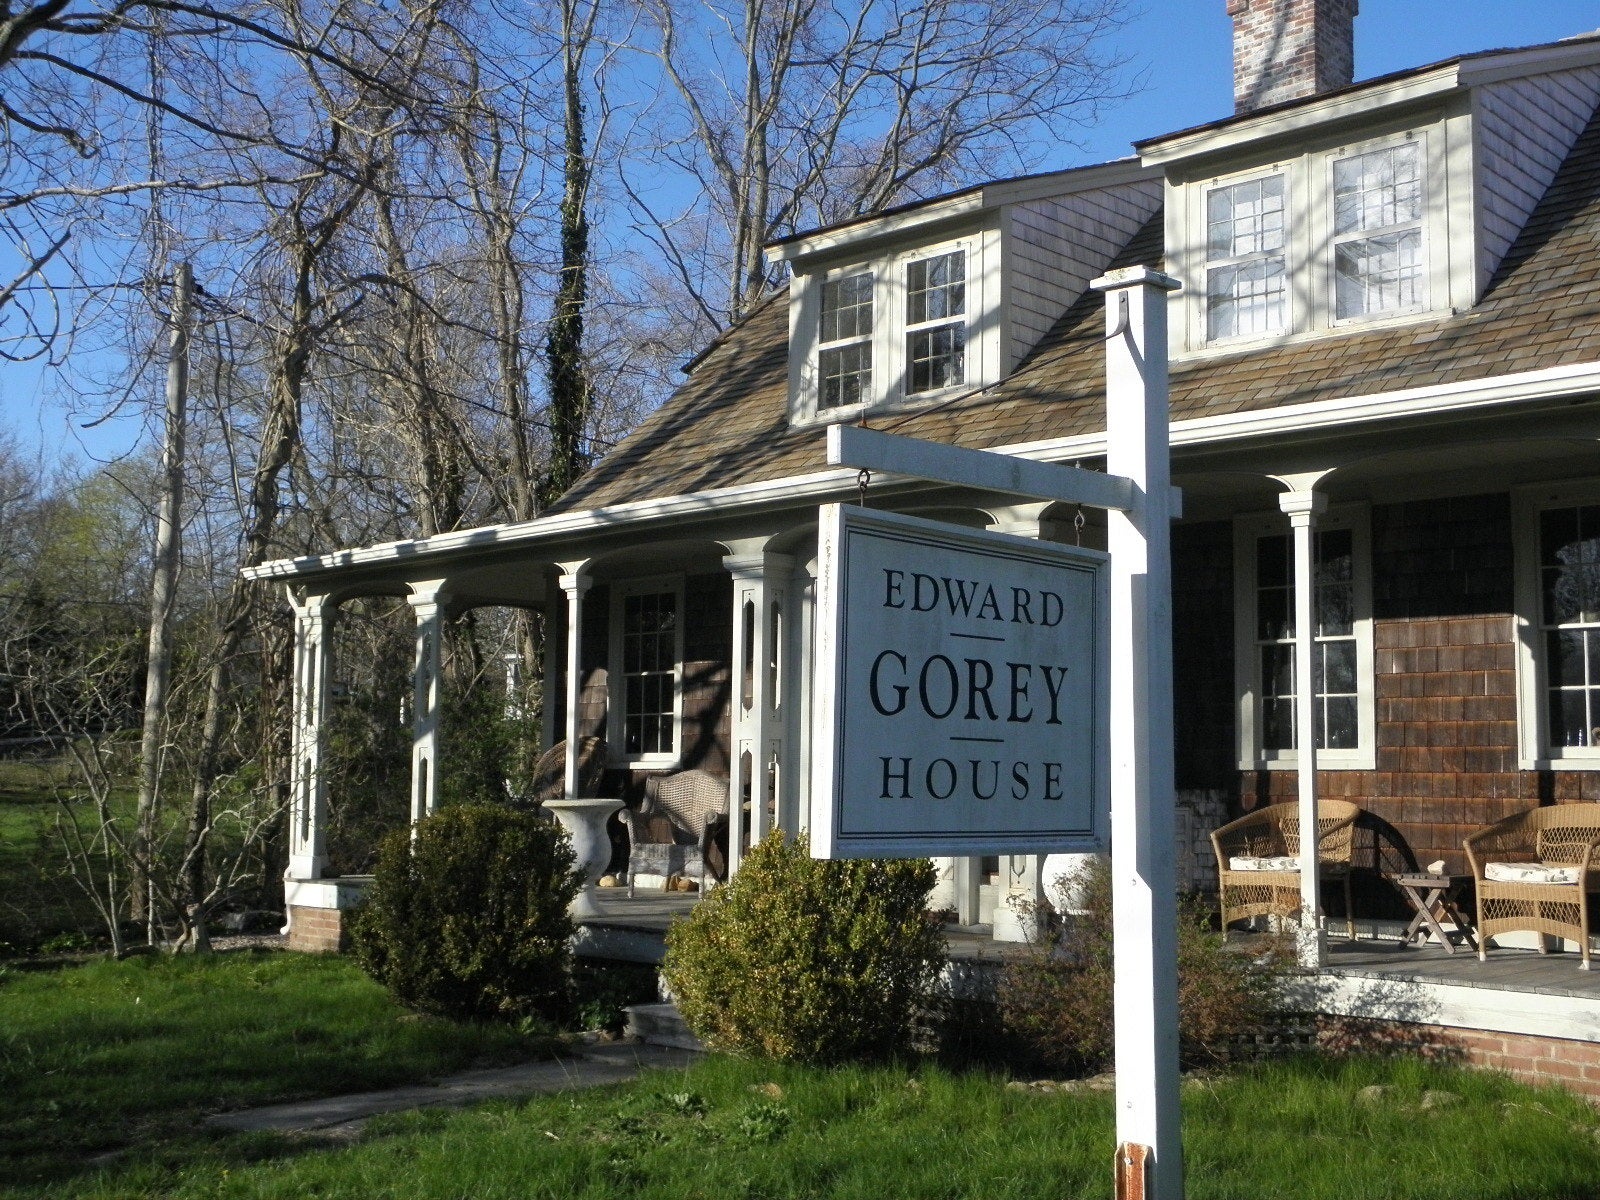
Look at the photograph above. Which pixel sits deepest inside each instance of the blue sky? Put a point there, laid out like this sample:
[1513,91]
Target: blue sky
[1184,49]
[1181,49]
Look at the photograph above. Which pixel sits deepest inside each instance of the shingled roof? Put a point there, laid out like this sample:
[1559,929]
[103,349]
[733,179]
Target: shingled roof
[728,425]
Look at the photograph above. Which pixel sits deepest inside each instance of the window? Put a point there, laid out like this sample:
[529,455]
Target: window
[844,355]
[646,667]
[936,322]
[1343,709]
[1329,238]
[1377,227]
[1558,544]
[908,327]
[1246,285]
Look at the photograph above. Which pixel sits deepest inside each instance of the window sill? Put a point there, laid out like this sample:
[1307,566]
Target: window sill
[1327,760]
[1559,764]
[855,412]
[1346,328]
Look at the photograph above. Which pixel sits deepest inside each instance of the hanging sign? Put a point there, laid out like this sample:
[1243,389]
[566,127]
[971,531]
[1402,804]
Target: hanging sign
[960,691]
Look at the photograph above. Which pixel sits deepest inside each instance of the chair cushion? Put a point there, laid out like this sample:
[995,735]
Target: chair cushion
[1529,873]
[1283,862]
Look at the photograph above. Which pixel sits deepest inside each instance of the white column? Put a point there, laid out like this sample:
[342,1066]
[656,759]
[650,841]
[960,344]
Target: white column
[1303,507]
[575,584]
[1142,796]
[555,656]
[759,590]
[428,602]
[308,793]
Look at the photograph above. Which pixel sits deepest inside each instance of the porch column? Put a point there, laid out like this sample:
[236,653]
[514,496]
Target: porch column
[575,584]
[428,601]
[760,601]
[1021,875]
[555,655]
[1303,507]
[308,794]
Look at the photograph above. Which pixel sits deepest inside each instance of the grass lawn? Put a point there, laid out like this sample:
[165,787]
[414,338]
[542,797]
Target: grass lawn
[110,1055]
[129,1054]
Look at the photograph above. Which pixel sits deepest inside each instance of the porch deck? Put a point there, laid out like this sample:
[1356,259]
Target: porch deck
[1515,991]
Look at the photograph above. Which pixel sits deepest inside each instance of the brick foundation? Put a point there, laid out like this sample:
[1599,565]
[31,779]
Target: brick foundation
[1574,1065]
[317,930]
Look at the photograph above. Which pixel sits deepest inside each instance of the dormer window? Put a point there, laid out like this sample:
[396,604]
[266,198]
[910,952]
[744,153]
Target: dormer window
[907,327]
[1246,284]
[936,322]
[1377,232]
[1327,239]
[844,347]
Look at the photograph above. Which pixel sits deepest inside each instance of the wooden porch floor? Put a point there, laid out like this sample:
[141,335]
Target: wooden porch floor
[635,928]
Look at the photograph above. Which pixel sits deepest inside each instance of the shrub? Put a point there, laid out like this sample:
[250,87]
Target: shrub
[1057,1002]
[807,960]
[468,917]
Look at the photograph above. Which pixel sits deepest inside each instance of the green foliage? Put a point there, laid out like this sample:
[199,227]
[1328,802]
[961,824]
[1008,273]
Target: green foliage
[482,745]
[468,917]
[807,960]
[1057,1002]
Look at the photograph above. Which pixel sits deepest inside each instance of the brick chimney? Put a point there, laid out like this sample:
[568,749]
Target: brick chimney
[1289,49]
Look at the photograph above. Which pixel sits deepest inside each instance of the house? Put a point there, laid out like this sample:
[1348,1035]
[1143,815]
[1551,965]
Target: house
[1388,339]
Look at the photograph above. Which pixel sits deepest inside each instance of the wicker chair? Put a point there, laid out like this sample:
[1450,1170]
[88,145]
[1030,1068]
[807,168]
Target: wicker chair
[1274,833]
[1558,836]
[695,804]
[549,779]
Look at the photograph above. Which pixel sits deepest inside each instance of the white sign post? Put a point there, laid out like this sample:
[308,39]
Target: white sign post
[1136,490]
[961,692]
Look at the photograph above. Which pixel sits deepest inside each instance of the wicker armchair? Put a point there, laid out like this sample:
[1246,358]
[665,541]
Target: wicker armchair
[549,779]
[696,805]
[1553,902]
[1273,889]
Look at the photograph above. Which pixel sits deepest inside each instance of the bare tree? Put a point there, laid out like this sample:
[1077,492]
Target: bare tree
[784,113]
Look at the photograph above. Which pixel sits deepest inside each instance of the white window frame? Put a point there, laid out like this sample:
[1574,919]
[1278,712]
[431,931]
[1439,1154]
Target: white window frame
[1285,251]
[1335,239]
[1246,530]
[1312,302]
[891,329]
[616,682]
[1535,748]
[869,339]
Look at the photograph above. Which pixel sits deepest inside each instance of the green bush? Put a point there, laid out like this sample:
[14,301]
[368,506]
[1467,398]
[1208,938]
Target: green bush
[807,960]
[468,918]
[1056,1002]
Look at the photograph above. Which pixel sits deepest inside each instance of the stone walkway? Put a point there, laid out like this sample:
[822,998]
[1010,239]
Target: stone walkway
[593,1066]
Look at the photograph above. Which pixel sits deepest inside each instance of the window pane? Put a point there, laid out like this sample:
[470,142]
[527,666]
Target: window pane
[1338,668]
[1378,274]
[1245,218]
[1249,298]
[936,288]
[1338,724]
[1277,725]
[847,307]
[1274,618]
[846,373]
[1570,719]
[1277,671]
[1379,189]
[1272,561]
[1565,662]
[936,358]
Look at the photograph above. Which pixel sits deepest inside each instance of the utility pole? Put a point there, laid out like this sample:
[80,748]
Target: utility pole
[163,590]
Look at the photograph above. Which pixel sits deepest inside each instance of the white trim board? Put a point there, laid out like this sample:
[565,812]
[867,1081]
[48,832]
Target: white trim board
[1452,1006]
[1452,399]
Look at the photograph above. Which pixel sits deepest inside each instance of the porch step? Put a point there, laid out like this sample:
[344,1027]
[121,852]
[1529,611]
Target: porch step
[660,1025]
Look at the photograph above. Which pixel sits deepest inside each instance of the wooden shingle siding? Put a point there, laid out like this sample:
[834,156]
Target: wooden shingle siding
[707,651]
[1526,128]
[1202,597]
[1056,246]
